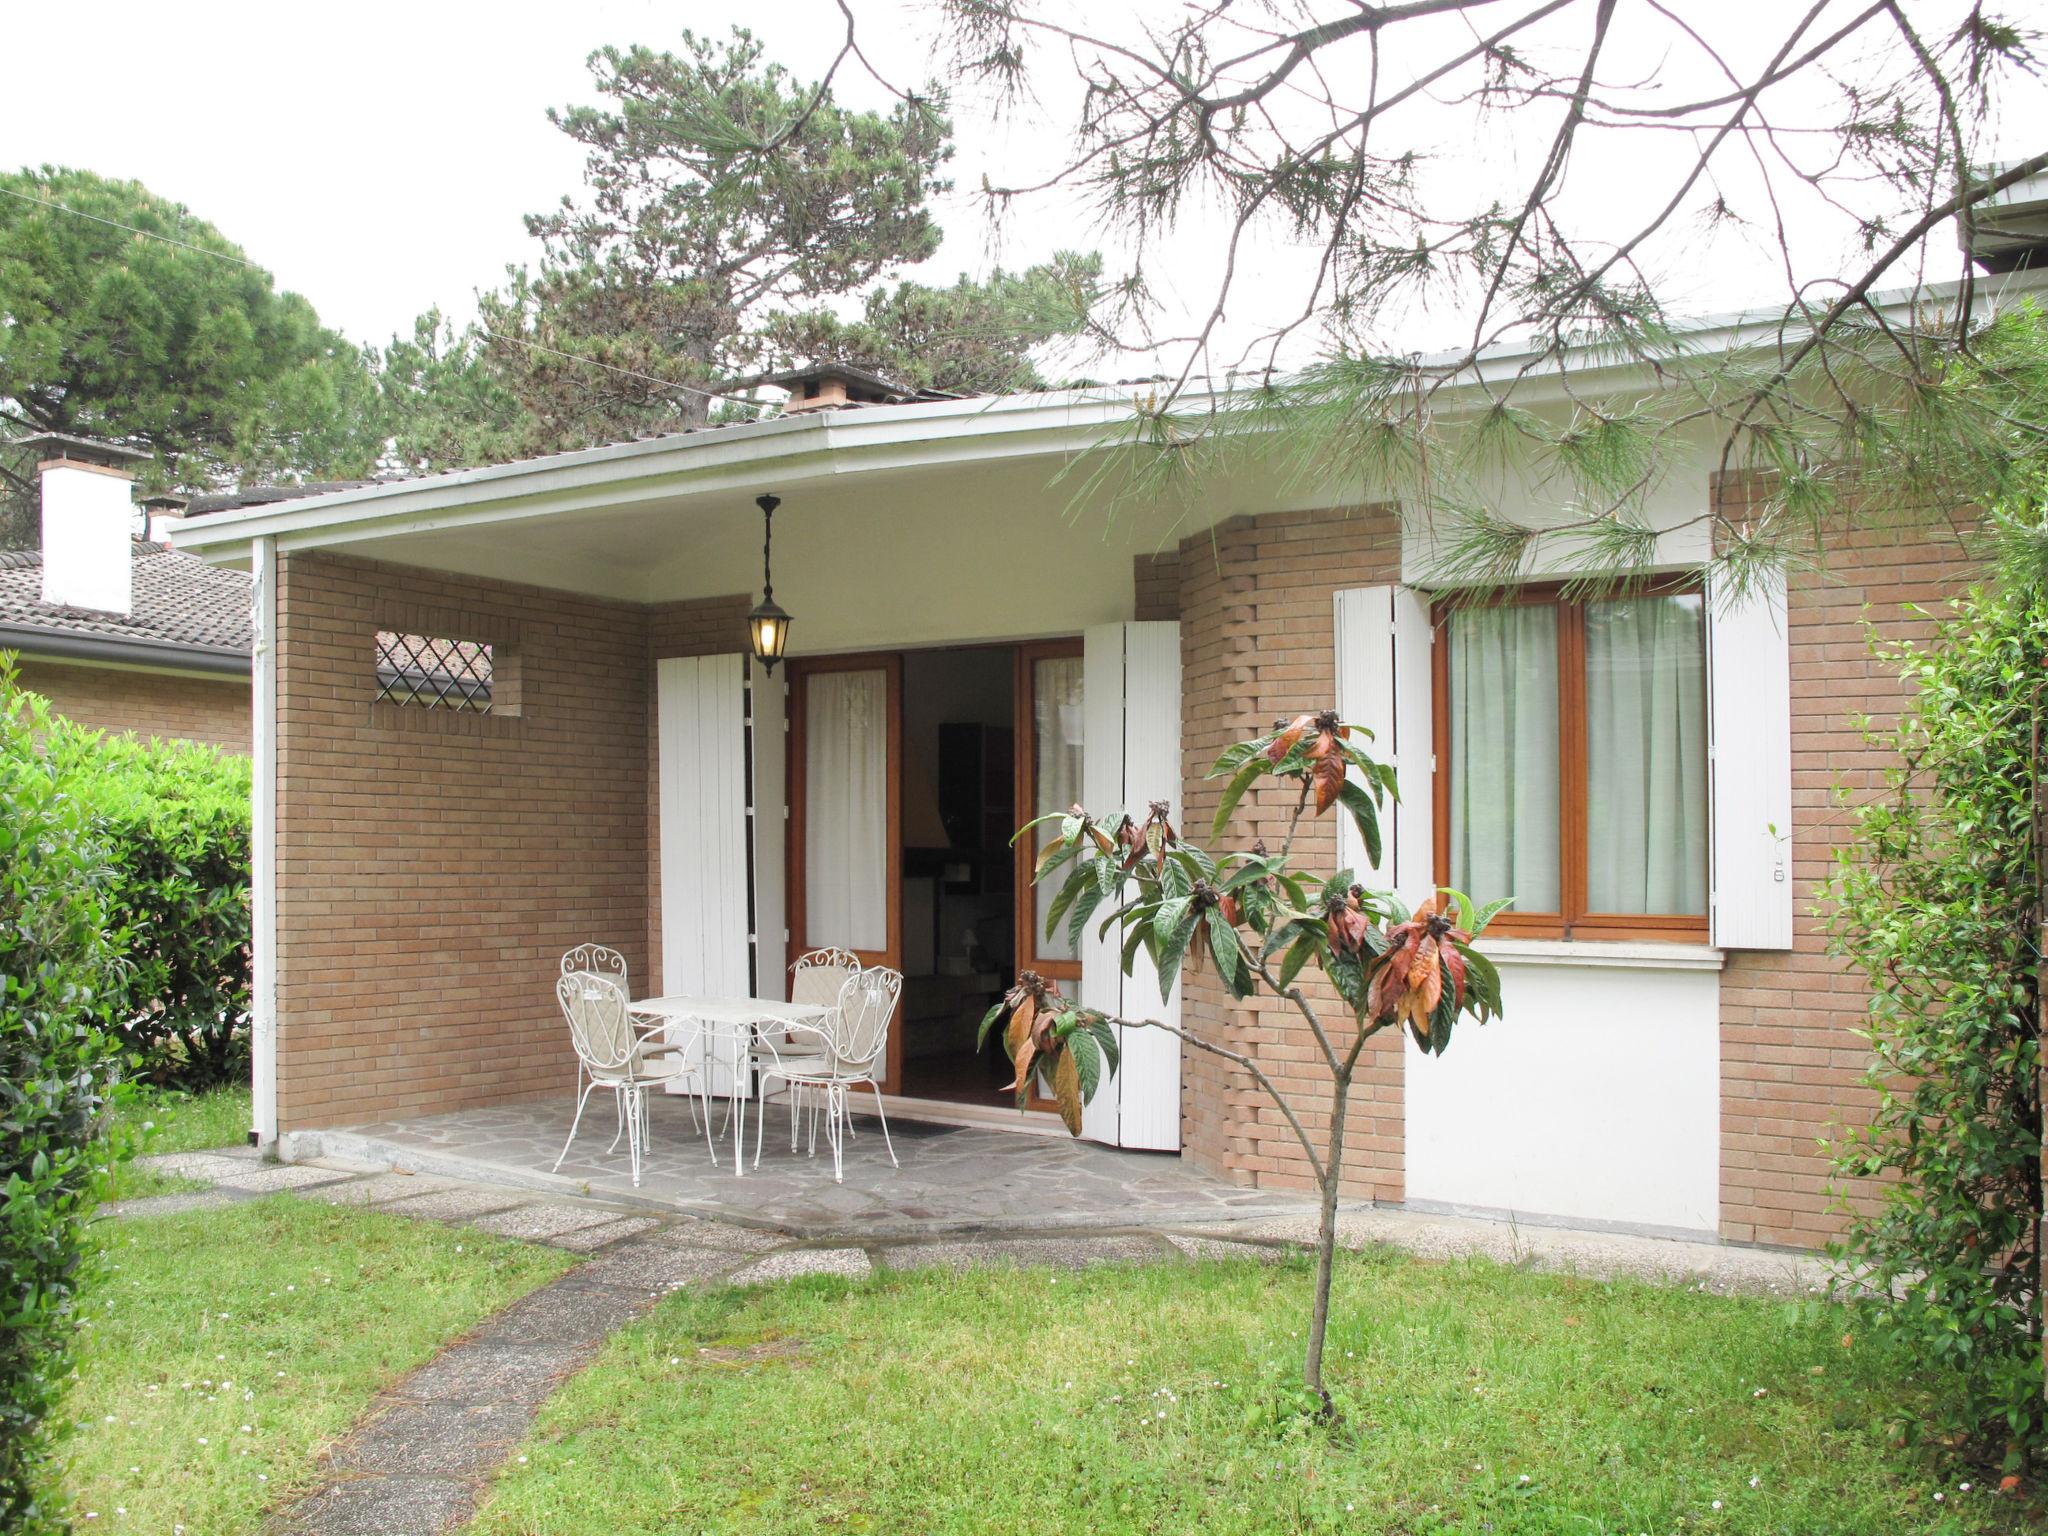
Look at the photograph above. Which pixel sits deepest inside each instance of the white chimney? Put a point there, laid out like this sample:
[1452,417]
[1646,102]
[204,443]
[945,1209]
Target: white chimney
[88,521]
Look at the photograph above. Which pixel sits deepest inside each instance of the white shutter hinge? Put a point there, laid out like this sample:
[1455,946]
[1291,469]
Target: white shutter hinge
[750,810]
[1432,762]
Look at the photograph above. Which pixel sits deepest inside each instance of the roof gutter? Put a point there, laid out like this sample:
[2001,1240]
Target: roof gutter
[164,655]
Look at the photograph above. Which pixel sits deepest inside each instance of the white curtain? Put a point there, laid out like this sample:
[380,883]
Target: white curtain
[1646,749]
[1056,774]
[1504,805]
[846,817]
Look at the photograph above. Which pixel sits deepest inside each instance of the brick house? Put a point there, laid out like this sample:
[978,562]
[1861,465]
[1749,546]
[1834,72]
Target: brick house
[505,711]
[121,632]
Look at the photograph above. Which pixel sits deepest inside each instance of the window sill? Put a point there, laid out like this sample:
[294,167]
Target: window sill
[1607,954]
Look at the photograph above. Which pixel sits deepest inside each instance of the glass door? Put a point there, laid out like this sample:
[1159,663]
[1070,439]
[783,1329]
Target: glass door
[1049,764]
[845,810]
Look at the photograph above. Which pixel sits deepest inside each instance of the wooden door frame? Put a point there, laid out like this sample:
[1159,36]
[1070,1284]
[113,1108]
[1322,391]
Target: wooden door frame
[801,670]
[1025,714]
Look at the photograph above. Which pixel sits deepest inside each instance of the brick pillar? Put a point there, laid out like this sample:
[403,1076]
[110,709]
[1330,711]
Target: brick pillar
[1258,643]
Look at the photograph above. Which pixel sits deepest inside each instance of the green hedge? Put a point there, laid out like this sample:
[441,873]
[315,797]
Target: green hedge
[175,819]
[60,944]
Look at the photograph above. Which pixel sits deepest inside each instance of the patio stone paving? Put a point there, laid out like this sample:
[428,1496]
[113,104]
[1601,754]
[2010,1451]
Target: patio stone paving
[952,1179]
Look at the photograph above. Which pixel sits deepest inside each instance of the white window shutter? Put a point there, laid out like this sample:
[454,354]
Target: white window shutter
[701,767]
[1384,677]
[768,754]
[1131,708]
[1749,686]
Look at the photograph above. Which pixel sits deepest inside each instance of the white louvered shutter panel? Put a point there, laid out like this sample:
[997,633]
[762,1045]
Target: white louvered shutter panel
[1749,688]
[1131,700]
[1384,673]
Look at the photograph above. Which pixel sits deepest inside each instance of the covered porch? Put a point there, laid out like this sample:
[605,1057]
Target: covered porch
[508,712]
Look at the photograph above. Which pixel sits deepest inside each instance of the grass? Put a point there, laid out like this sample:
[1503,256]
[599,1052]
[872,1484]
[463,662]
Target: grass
[1476,1398]
[169,1120]
[224,1347]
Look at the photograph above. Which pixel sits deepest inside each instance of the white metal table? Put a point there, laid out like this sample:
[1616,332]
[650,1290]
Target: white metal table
[732,1023]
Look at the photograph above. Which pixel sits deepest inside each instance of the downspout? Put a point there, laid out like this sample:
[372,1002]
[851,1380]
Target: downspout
[263,842]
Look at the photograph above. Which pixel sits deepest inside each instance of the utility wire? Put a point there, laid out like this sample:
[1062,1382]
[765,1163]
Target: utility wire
[44,202]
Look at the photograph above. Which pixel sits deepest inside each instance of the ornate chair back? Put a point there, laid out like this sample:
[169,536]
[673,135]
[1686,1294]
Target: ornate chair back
[600,1020]
[867,1002]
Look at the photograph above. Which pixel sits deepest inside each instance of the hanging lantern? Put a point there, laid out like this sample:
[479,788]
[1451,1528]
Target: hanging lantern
[767,625]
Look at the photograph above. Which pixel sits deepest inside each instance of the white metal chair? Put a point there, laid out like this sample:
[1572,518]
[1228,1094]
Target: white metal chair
[815,977]
[613,1056]
[844,1052]
[601,960]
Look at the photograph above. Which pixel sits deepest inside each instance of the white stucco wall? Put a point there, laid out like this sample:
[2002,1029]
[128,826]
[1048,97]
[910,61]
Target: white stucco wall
[1596,1097]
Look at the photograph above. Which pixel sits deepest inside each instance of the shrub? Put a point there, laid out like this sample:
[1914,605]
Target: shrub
[1937,901]
[59,947]
[175,819]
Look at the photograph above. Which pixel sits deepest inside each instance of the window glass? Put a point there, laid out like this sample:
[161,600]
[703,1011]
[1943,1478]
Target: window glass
[1646,755]
[1056,770]
[1503,768]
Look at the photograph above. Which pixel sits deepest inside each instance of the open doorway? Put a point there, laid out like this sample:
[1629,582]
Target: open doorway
[909,772]
[959,888]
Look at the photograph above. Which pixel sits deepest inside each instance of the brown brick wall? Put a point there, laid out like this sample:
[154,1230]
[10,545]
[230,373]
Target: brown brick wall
[1258,642]
[1156,581]
[161,704]
[433,866]
[1790,1062]
[710,626]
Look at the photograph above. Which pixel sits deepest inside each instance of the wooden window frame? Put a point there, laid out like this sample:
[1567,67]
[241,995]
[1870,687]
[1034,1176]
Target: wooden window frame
[1574,921]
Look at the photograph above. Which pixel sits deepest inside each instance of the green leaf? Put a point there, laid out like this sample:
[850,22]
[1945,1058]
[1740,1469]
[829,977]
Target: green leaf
[1087,1061]
[1105,1036]
[1171,915]
[1223,948]
[1355,800]
[1487,914]
[1064,898]
[1084,908]
[1233,792]
[1297,957]
[988,1021]
[1172,946]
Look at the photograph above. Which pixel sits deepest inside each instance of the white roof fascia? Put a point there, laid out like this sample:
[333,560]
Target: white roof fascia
[814,446]
[803,448]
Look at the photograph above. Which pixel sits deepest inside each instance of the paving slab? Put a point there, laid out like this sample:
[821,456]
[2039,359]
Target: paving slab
[535,1222]
[697,1232]
[1076,1251]
[461,1204]
[273,1177]
[210,1166]
[168,1205]
[487,1370]
[434,1440]
[383,1506]
[1223,1248]
[653,1266]
[795,1262]
[1718,1267]
[378,1189]
[589,1239]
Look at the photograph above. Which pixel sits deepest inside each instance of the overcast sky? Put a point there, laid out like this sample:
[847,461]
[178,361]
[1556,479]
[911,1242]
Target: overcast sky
[377,156]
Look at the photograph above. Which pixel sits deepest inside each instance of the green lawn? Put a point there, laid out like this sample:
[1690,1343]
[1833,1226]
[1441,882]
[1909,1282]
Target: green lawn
[166,1120]
[1477,1398]
[224,1347]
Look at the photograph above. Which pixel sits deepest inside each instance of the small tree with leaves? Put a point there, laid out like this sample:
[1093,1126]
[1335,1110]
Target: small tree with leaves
[1260,922]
